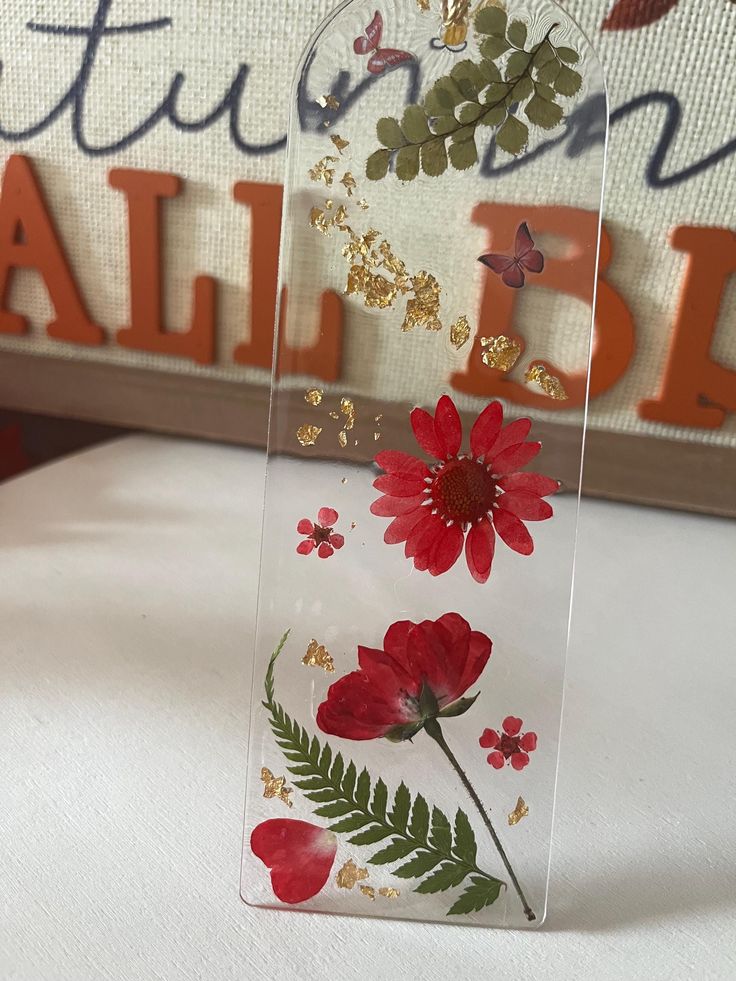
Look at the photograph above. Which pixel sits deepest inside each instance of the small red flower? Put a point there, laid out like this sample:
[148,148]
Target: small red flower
[509,745]
[422,673]
[462,498]
[299,855]
[320,535]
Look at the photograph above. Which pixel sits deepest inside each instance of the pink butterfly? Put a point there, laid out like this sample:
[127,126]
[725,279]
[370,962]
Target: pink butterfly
[382,59]
[511,268]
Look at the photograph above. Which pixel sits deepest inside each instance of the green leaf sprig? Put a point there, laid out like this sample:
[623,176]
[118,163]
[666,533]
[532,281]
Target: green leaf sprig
[440,854]
[442,130]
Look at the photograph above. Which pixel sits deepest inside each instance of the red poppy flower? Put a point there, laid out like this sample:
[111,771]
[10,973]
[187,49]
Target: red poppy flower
[299,855]
[462,499]
[320,535]
[422,673]
[509,745]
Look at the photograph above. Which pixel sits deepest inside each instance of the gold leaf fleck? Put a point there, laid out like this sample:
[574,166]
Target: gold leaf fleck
[423,5]
[376,436]
[334,415]
[322,171]
[318,657]
[520,811]
[275,787]
[318,219]
[344,480]
[340,143]
[308,435]
[459,332]
[389,892]
[353,525]
[423,309]
[368,891]
[347,407]
[378,417]
[347,180]
[363,204]
[341,217]
[500,352]
[550,384]
[349,875]
[331,102]
[342,438]
[313,396]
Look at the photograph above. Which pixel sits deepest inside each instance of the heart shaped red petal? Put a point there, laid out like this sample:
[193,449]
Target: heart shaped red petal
[300,856]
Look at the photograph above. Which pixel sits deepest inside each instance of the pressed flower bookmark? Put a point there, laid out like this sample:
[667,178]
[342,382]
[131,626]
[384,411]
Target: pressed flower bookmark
[426,435]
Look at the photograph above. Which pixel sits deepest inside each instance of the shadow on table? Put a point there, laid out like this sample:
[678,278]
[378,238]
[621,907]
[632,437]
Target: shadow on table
[657,890]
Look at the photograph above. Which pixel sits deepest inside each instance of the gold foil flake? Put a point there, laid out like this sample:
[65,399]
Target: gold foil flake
[376,436]
[368,891]
[344,480]
[313,396]
[342,438]
[341,216]
[349,875]
[423,5]
[500,352]
[334,415]
[378,417]
[318,657]
[353,525]
[347,180]
[275,787]
[550,384]
[459,332]
[388,892]
[423,309]
[340,143]
[363,204]
[322,171]
[331,102]
[519,812]
[329,203]
[318,219]
[308,435]
[347,407]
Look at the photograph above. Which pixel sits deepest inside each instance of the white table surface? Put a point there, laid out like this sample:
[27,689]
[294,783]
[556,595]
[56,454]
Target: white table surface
[127,591]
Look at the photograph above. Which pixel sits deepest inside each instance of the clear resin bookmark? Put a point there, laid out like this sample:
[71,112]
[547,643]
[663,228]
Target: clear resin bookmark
[439,259]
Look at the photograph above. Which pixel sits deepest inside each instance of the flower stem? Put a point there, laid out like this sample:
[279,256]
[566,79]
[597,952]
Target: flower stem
[433,729]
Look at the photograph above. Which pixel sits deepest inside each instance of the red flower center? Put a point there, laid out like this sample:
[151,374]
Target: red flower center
[463,490]
[508,745]
[321,534]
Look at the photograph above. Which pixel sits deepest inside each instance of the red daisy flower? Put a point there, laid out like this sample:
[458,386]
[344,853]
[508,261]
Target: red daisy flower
[509,745]
[320,535]
[422,673]
[462,498]
[300,856]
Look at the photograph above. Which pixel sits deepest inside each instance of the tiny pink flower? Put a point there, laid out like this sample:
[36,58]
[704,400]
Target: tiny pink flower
[320,534]
[509,745]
